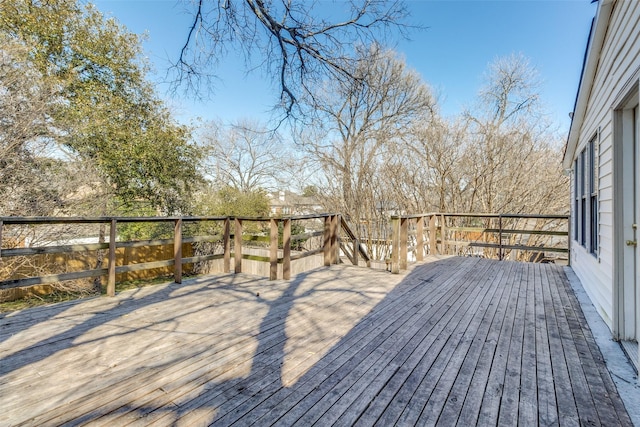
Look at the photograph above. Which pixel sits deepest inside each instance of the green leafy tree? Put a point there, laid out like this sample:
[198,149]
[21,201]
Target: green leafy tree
[25,172]
[310,191]
[230,201]
[105,112]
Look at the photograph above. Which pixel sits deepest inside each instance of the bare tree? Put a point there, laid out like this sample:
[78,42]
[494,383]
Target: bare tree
[512,160]
[246,156]
[426,170]
[356,123]
[298,42]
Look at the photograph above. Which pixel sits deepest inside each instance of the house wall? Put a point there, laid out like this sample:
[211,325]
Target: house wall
[618,63]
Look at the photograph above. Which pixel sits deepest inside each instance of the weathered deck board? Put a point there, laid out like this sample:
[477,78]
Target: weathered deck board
[479,377]
[461,390]
[435,385]
[547,403]
[489,410]
[461,341]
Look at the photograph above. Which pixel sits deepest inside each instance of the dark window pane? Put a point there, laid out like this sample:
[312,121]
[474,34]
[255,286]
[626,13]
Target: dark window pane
[583,222]
[594,225]
[592,169]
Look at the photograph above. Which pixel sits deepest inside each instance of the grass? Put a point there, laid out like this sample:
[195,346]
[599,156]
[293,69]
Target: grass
[61,296]
[38,300]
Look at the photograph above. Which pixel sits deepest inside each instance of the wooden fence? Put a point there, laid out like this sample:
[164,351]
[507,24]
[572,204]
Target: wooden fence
[537,238]
[226,245]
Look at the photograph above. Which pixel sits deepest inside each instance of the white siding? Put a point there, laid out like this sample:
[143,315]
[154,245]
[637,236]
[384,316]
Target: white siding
[619,61]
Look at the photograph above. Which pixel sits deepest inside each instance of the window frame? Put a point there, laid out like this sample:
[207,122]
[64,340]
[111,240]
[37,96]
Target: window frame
[576,200]
[594,163]
[586,206]
[583,198]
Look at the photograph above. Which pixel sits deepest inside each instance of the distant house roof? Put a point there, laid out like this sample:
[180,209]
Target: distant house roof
[291,203]
[592,57]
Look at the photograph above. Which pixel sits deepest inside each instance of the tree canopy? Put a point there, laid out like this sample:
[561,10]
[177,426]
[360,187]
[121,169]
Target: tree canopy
[102,109]
[74,81]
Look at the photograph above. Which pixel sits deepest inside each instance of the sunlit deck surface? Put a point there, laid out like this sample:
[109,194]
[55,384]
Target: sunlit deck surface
[461,341]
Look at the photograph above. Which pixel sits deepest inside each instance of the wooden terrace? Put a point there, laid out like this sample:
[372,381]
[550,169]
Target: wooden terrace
[453,341]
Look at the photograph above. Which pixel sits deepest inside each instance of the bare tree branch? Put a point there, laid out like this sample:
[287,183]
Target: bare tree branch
[298,42]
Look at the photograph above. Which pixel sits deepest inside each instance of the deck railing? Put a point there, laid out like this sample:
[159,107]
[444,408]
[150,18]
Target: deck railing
[219,238]
[537,238]
[351,246]
[264,246]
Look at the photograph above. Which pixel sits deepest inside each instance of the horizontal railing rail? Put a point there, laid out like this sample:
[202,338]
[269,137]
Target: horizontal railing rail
[276,236]
[527,237]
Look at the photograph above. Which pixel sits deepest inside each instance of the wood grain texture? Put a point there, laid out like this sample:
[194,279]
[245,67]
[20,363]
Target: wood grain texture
[455,341]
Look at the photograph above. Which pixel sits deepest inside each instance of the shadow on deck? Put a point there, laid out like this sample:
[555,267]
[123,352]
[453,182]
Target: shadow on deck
[462,341]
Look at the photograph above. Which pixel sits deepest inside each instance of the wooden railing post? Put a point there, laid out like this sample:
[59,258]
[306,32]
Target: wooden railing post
[237,246]
[326,249]
[569,222]
[286,249]
[444,248]
[273,250]
[335,247]
[433,238]
[356,250]
[177,251]
[420,238]
[395,245]
[404,234]
[226,242]
[0,239]
[111,266]
[500,237]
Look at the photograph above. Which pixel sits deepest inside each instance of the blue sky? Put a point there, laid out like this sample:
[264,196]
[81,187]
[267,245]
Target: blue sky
[451,54]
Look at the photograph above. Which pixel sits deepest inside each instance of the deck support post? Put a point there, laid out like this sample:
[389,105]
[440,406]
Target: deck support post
[286,249]
[331,246]
[177,251]
[395,245]
[111,266]
[500,237]
[420,238]
[335,245]
[404,234]
[444,248]
[356,249]
[569,238]
[226,242]
[433,238]
[273,250]
[237,246]
[326,249]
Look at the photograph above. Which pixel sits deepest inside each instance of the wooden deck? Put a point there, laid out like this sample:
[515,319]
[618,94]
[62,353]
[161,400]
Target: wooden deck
[456,341]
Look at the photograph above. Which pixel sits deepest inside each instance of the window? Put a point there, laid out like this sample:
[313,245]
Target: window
[585,208]
[593,199]
[576,203]
[583,200]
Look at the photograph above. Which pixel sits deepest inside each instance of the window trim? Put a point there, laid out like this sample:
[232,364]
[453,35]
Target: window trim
[594,206]
[586,204]
[583,198]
